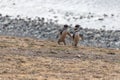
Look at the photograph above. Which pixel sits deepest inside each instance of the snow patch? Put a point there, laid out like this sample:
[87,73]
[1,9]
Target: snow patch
[87,13]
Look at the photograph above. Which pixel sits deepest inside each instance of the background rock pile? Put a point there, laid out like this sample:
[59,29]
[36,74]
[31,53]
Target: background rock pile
[46,29]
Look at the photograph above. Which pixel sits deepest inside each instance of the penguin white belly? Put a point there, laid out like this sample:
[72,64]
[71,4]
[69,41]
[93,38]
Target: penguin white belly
[63,35]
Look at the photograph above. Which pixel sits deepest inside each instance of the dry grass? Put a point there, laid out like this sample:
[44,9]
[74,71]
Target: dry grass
[31,59]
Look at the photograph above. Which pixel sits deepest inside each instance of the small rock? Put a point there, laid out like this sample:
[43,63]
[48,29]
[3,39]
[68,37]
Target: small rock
[79,56]
[111,53]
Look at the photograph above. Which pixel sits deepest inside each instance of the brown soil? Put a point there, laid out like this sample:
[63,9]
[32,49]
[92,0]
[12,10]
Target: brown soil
[31,59]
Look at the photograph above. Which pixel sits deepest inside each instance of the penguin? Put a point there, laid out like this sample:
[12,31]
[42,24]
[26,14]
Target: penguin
[76,36]
[63,33]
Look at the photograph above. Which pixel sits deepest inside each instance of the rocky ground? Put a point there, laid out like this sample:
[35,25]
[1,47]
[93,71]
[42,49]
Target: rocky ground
[42,28]
[33,59]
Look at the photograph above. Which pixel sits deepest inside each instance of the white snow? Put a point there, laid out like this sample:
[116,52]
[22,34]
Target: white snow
[51,8]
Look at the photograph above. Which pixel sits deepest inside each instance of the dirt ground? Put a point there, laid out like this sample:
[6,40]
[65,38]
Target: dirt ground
[32,59]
